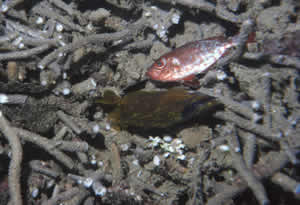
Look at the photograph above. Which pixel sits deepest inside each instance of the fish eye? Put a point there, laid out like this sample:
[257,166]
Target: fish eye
[160,63]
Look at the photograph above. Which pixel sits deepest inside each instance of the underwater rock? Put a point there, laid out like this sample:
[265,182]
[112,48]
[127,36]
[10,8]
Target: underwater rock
[159,109]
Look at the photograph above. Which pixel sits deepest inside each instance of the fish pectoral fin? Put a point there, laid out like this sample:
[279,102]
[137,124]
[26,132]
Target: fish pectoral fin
[191,81]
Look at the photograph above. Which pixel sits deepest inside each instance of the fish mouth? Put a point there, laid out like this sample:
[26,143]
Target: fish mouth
[157,75]
[152,74]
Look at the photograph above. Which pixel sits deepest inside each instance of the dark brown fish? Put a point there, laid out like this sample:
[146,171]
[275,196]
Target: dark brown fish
[159,109]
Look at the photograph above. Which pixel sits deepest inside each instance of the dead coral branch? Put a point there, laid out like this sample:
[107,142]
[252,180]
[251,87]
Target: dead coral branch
[14,174]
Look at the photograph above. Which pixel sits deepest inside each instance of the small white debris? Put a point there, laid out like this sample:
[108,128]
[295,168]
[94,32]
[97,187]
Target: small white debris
[124,147]
[107,127]
[56,92]
[65,75]
[66,91]
[4,8]
[168,148]
[255,105]
[165,146]
[221,75]
[175,19]
[180,152]
[117,42]
[166,155]
[100,164]
[167,138]
[40,66]
[88,182]
[90,27]
[156,160]
[93,82]
[154,141]
[294,122]
[17,41]
[99,189]
[162,33]
[181,157]
[9,153]
[138,198]
[93,162]
[62,43]
[60,54]
[96,128]
[177,141]
[59,27]
[224,148]
[136,162]
[179,147]
[147,14]
[44,83]
[155,26]
[237,149]
[21,45]
[35,192]
[50,183]
[3,99]
[39,20]
[256,117]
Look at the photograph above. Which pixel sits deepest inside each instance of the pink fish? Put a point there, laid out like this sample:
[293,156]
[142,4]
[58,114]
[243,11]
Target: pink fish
[183,63]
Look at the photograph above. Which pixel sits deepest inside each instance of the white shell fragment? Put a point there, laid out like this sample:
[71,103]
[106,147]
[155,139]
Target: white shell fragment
[99,189]
[4,8]
[39,20]
[224,148]
[96,128]
[167,138]
[255,105]
[221,75]
[175,19]
[88,182]
[59,27]
[3,99]
[35,192]
[156,160]
[66,91]
[181,157]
